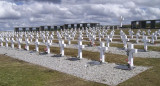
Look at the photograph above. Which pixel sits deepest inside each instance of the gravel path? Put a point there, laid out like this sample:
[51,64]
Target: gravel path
[107,73]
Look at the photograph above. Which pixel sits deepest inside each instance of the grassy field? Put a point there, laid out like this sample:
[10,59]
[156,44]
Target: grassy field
[14,72]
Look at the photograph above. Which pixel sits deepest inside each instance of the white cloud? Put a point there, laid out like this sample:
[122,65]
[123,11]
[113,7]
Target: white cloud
[36,13]
[7,11]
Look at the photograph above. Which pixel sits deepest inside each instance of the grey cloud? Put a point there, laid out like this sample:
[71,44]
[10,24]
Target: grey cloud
[58,12]
[25,1]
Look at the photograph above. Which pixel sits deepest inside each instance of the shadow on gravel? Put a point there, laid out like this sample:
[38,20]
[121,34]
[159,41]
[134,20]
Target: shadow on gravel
[33,51]
[123,67]
[120,48]
[57,55]
[141,50]
[92,63]
[73,59]
[43,53]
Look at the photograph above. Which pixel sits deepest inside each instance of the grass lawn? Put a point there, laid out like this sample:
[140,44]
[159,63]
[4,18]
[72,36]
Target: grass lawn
[14,72]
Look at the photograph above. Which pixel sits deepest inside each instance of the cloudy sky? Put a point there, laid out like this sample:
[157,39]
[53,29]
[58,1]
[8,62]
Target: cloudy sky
[58,12]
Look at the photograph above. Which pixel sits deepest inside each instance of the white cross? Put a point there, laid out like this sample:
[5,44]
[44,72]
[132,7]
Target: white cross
[19,43]
[100,37]
[80,46]
[69,39]
[149,31]
[6,40]
[145,40]
[80,38]
[48,44]
[111,36]
[108,39]
[137,37]
[27,44]
[51,38]
[155,35]
[131,33]
[62,45]
[121,19]
[59,37]
[12,42]
[36,45]
[143,33]
[130,52]
[102,49]
[1,40]
[125,39]
[152,36]
[31,37]
[43,38]
[93,38]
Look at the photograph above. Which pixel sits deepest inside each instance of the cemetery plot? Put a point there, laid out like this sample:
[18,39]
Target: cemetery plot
[93,47]
[105,73]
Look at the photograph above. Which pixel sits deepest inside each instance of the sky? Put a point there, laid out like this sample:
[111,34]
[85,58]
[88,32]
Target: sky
[27,13]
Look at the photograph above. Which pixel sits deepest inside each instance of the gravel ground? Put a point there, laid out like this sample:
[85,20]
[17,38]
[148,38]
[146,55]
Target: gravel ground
[107,73]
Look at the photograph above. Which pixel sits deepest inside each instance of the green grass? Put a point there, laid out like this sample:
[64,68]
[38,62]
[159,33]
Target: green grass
[150,77]
[14,72]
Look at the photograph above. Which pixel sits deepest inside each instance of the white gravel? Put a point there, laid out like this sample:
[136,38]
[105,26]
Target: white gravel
[105,73]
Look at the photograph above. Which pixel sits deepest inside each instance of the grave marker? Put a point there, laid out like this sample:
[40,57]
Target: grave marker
[62,45]
[36,45]
[80,46]
[12,42]
[102,49]
[48,44]
[145,40]
[27,44]
[130,52]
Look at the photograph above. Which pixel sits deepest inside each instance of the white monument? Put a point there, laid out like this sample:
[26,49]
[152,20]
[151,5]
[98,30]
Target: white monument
[36,45]
[145,40]
[80,46]
[27,44]
[12,42]
[102,49]
[48,44]
[130,52]
[62,45]
[121,19]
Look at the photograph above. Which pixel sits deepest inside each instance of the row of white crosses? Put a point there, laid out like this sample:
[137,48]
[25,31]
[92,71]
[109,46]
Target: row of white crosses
[62,45]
